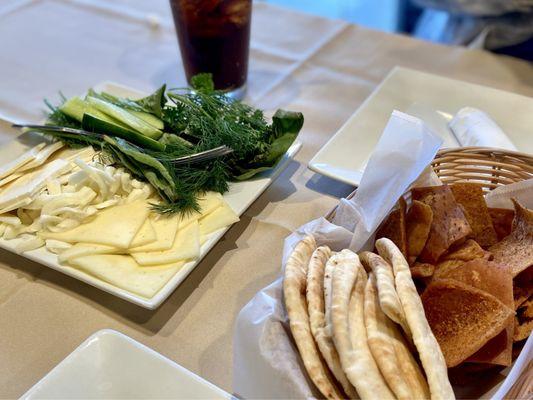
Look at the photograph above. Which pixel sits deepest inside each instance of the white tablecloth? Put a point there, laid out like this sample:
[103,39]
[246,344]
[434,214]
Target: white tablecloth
[324,68]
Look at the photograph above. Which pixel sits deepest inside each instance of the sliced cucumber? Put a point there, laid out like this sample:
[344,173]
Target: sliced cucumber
[76,107]
[93,123]
[149,118]
[126,117]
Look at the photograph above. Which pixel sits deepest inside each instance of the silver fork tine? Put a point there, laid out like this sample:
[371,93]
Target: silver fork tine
[193,158]
[203,156]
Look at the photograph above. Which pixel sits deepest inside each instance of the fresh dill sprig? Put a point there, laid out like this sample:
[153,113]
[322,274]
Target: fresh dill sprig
[195,120]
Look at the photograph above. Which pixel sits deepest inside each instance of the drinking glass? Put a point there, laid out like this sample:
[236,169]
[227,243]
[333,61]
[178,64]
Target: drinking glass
[214,37]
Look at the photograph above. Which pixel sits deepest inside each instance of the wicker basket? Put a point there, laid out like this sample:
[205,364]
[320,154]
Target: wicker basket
[490,168]
[484,165]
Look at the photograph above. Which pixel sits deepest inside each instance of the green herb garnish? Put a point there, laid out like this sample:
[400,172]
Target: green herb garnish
[193,121]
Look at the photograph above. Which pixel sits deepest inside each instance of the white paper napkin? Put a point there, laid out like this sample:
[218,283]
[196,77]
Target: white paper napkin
[405,148]
[473,127]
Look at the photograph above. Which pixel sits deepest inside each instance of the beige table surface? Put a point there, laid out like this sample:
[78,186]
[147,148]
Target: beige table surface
[323,68]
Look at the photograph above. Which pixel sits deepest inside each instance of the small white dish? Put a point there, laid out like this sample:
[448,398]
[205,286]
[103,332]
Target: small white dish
[111,365]
[430,97]
[239,197]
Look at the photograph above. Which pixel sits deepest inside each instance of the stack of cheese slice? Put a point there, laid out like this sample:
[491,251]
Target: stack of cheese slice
[135,249]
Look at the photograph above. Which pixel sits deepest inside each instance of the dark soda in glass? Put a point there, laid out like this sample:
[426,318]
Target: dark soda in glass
[214,36]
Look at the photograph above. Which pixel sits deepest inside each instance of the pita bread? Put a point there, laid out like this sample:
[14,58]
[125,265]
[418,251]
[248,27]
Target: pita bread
[502,220]
[394,227]
[428,348]
[449,225]
[400,371]
[317,320]
[463,318]
[388,298]
[516,250]
[470,196]
[349,333]
[328,277]
[294,284]
[417,224]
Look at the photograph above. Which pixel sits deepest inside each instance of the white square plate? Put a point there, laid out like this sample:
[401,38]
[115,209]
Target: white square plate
[240,196]
[110,365]
[344,156]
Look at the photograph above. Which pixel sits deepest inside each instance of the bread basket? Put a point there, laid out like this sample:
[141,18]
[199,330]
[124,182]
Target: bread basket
[487,166]
[490,168]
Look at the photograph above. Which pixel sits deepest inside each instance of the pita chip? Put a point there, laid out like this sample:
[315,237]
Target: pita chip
[463,318]
[496,280]
[449,225]
[470,196]
[417,224]
[394,227]
[502,220]
[516,250]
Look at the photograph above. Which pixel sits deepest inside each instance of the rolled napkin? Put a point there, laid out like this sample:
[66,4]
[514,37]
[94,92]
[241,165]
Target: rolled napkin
[473,127]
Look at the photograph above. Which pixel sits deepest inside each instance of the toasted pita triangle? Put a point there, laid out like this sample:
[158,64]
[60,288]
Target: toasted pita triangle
[463,318]
[516,250]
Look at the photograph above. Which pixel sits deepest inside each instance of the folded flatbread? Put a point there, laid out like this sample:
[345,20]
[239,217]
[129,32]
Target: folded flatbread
[294,286]
[317,318]
[349,333]
[428,348]
[390,351]
[388,297]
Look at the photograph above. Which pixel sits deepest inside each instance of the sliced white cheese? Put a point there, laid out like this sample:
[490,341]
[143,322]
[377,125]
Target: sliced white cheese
[56,246]
[10,220]
[69,154]
[24,201]
[30,242]
[186,247]
[85,249]
[208,203]
[165,230]
[115,226]
[26,186]
[10,178]
[41,157]
[123,272]
[145,235]
[20,161]
[220,218]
